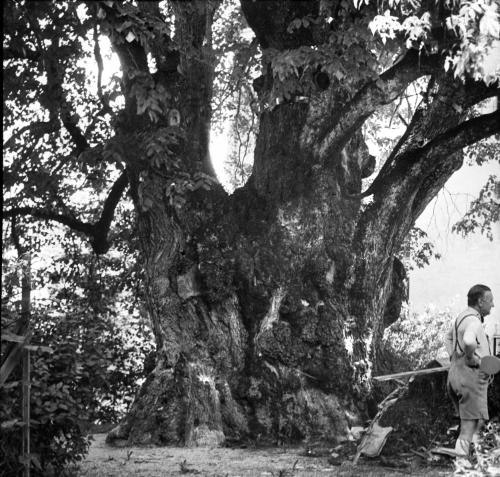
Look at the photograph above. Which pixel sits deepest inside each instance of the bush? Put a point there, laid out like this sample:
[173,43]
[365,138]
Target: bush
[90,376]
[417,339]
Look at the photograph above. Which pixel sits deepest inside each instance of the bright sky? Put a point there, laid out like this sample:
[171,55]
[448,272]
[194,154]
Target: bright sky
[466,260]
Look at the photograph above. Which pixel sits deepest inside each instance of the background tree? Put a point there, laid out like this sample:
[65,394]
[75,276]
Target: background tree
[267,305]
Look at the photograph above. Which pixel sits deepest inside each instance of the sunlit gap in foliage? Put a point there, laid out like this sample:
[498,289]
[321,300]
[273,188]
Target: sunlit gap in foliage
[231,161]
[234,105]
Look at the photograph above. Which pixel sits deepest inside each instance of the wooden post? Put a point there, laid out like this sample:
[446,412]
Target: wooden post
[26,412]
[25,317]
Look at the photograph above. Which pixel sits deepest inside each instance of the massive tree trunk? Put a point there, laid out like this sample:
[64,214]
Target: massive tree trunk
[268,305]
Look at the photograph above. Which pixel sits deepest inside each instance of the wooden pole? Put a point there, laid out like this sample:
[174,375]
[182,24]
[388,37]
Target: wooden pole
[25,316]
[26,413]
[407,374]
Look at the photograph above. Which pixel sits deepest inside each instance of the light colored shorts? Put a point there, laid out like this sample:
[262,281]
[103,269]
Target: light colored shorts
[468,389]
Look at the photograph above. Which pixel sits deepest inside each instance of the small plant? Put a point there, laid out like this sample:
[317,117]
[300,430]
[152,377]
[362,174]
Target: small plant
[286,472]
[185,468]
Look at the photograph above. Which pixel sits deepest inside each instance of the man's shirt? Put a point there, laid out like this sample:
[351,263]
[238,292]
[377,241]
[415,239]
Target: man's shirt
[468,330]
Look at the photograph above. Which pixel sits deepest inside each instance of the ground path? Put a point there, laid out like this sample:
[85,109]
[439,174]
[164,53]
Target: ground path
[106,461]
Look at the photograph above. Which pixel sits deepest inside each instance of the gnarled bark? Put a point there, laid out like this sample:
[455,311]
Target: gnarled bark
[268,305]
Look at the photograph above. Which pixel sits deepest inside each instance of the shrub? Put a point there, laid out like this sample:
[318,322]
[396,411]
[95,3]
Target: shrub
[90,376]
[417,339]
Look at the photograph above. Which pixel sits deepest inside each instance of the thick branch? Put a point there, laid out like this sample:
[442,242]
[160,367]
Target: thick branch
[270,21]
[98,232]
[376,93]
[131,54]
[451,101]
[420,172]
[71,124]
[101,228]
[464,134]
[450,145]
[408,188]
[47,214]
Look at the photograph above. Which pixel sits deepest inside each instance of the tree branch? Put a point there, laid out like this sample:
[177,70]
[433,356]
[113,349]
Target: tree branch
[47,214]
[22,53]
[270,21]
[71,124]
[38,128]
[385,89]
[418,172]
[100,67]
[464,134]
[450,145]
[451,100]
[97,233]
[101,228]
[54,99]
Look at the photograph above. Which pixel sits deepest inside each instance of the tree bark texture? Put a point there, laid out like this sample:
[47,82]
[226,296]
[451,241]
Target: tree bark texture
[268,305]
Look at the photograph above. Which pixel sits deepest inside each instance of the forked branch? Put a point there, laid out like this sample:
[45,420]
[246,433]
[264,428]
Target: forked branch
[385,89]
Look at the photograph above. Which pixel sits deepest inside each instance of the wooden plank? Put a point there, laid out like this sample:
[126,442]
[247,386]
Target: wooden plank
[11,337]
[383,406]
[13,359]
[408,374]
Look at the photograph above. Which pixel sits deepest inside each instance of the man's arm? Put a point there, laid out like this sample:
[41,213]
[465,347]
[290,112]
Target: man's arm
[448,341]
[470,343]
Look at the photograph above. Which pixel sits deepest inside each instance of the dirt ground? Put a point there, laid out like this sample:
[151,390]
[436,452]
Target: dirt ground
[106,461]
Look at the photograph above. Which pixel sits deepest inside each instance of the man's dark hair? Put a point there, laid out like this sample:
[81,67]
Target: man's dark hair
[476,292]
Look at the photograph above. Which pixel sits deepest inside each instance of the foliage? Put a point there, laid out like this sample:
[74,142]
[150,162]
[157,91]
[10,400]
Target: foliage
[237,63]
[82,310]
[418,339]
[59,415]
[417,250]
[91,376]
[235,107]
[34,128]
[488,459]
[78,137]
[470,29]
[484,211]
[242,141]
[474,25]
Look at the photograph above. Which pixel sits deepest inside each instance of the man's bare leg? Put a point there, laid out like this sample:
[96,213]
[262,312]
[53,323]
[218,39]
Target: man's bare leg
[467,429]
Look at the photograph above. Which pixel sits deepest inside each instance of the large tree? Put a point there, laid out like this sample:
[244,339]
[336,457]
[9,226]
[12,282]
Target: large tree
[267,304]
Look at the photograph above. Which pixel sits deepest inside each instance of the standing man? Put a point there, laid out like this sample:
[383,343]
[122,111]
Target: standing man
[467,343]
